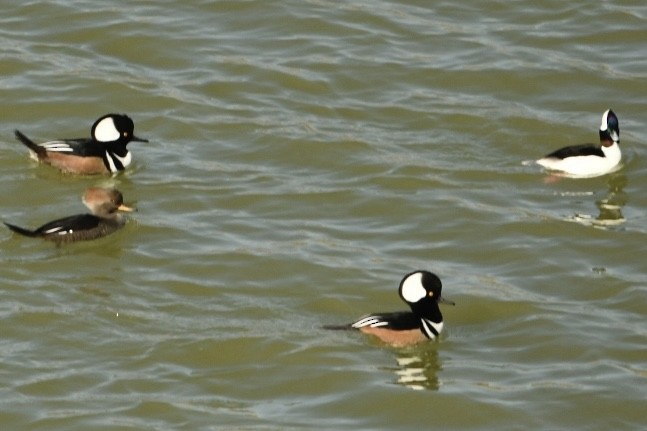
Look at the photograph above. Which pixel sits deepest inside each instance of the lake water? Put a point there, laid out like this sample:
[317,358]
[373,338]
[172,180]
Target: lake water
[304,156]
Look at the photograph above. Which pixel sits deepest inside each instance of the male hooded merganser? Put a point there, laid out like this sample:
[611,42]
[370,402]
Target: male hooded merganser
[422,291]
[105,152]
[588,160]
[103,221]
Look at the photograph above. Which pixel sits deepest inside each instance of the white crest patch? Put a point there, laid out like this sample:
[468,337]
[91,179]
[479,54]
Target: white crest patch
[603,124]
[412,288]
[106,131]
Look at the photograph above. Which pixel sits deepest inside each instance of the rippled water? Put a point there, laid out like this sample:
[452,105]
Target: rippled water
[304,156]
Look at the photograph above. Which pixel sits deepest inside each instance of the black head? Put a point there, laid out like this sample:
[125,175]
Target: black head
[420,286]
[115,128]
[609,128]
[422,291]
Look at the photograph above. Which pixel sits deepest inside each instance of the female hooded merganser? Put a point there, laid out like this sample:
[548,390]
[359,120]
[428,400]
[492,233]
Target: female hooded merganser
[588,160]
[103,221]
[105,152]
[422,291]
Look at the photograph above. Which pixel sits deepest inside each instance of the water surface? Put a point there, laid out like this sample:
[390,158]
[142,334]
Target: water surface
[304,156]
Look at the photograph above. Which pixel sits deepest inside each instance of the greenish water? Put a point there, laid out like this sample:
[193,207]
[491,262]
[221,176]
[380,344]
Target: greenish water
[304,156]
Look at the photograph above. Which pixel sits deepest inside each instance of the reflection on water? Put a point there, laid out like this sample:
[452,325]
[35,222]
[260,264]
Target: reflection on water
[609,207]
[418,369]
[300,153]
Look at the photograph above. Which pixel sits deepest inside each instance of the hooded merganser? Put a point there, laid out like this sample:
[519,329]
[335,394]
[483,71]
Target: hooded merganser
[103,221]
[589,160]
[105,152]
[422,291]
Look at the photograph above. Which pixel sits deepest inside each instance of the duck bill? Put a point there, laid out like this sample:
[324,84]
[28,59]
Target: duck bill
[125,208]
[136,139]
[442,300]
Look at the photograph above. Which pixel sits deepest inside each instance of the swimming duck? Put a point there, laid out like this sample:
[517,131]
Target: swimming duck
[105,152]
[422,291]
[589,160]
[104,219]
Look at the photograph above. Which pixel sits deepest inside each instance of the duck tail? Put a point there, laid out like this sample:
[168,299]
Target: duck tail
[39,151]
[22,230]
[338,327]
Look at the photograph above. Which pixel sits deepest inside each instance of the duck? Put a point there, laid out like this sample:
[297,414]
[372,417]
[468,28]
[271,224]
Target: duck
[421,290]
[105,152]
[589,160]
[103,220]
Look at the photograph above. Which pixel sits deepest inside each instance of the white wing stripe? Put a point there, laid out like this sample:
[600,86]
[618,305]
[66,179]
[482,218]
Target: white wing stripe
[372,321]
[54,229]
[57,146]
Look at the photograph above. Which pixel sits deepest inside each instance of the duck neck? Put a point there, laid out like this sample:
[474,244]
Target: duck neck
[431,320]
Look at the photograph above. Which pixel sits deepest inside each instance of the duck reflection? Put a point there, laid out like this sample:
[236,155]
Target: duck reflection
[610,206]
[418,368]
